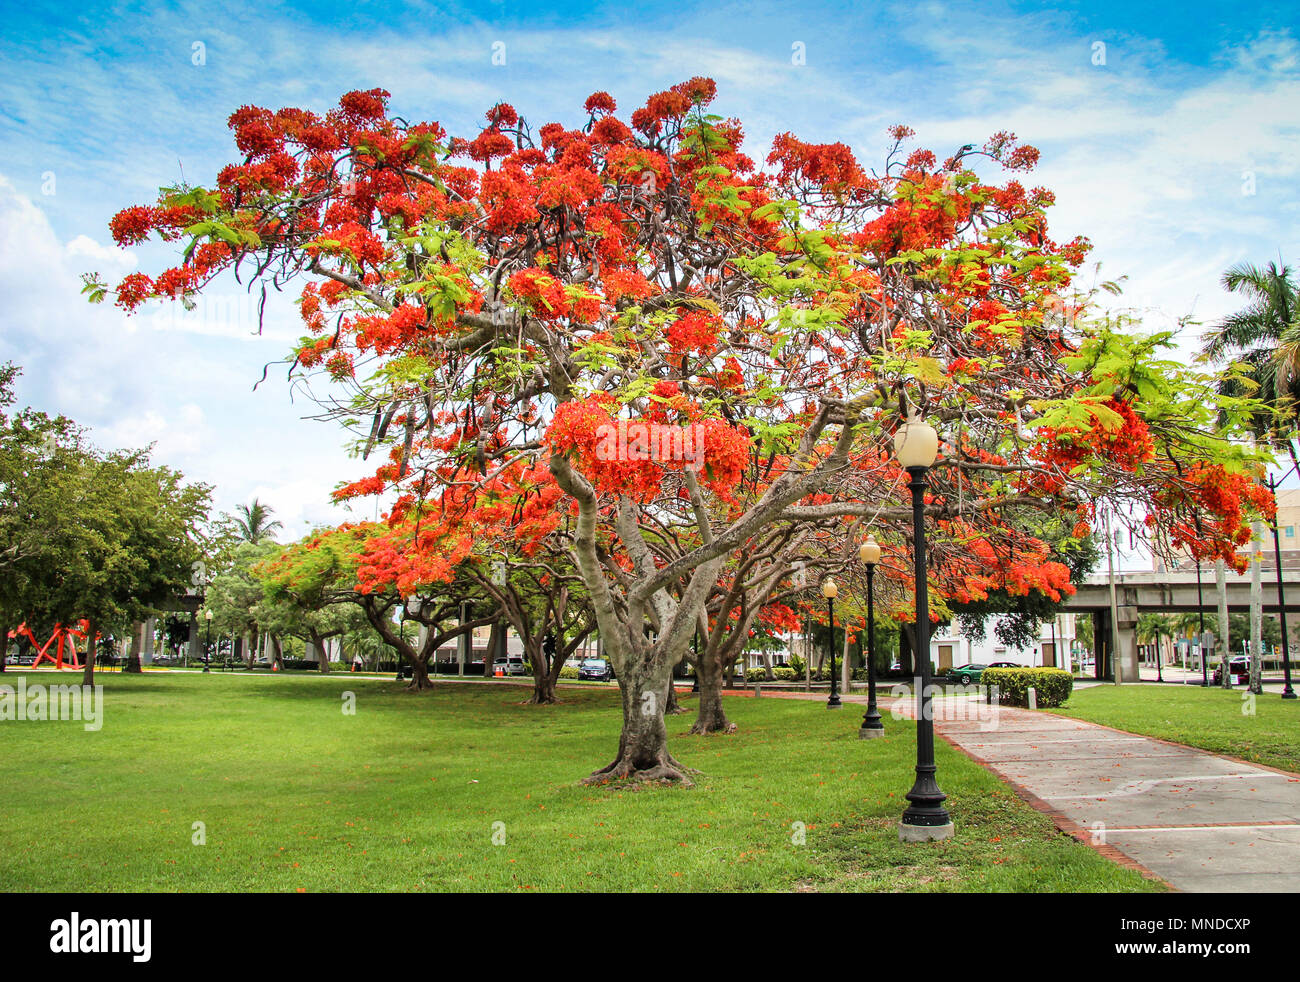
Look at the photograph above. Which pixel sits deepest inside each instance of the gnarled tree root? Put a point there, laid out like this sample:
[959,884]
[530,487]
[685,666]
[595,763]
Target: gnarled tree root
[664,769]
[710,727]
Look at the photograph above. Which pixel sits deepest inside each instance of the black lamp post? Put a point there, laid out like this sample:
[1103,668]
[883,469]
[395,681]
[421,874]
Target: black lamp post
[207,641]
[869,553]
[829,590]
[1287,691]
[917,444]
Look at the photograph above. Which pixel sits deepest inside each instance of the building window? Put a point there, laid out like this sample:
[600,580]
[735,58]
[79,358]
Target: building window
[1290,531]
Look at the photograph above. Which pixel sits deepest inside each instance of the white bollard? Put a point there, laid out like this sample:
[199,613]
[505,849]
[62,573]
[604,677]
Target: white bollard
[1033,698]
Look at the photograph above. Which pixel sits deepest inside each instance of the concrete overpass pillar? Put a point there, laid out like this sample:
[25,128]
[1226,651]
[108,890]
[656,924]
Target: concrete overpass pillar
[1101,644]
[1126,658]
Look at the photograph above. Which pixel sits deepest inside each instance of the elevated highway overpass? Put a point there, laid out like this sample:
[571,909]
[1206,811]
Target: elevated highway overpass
[1167,593]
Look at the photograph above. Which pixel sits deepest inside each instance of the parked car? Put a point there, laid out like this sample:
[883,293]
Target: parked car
[1005,664]
[510,665]
[1239,668]
[595,668]
[966,674]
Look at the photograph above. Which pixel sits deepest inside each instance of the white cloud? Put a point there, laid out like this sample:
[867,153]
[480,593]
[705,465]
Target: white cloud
[185,386]
[84,247]
[1148,156]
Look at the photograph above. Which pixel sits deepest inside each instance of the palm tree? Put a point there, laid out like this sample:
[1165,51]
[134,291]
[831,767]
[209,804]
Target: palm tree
[253,522]
[1152,629]
[1265,337]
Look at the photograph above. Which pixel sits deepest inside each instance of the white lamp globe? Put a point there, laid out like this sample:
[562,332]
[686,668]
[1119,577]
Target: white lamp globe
[916,443]
[829,589]
[869,551]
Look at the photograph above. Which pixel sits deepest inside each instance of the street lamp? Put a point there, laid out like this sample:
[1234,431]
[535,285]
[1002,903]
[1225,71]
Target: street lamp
[1287,691]
[869,553]
[207,641]
[829,590]
[916,444]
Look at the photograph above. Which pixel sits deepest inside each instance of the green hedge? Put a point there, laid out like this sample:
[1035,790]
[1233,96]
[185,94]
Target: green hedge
[755,674]
[1053,685]
[568,672]
[784,673]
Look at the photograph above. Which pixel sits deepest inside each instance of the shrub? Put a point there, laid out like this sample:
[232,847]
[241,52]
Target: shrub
[756,674]
[568,672]
[796,662]
[784,673]
[1053,685]
[822,674]
[860,674]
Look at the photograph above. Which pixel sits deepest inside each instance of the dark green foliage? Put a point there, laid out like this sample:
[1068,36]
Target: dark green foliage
[1053,685]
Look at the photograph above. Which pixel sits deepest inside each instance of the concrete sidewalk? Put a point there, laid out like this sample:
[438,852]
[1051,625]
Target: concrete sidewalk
[1198,821]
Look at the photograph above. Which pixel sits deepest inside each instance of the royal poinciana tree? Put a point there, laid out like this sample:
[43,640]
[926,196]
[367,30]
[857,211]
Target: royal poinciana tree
[629,340]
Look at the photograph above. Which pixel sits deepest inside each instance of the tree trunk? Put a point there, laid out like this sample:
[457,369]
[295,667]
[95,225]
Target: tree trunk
[1256,662]
[905,661]
[543,682]
[4,641]
[322,653]
[494,644]
[87,673]
[1225,651]
[710,717]
[673,708]
[419,675]
[543,689]
[846,670]
[137,641]
[643,745]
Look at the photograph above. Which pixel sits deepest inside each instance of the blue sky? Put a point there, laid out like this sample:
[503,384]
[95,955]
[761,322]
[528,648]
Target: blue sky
[1177,154]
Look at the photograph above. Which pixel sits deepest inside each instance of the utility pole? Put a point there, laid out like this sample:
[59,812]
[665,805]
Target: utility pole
[1114,604]
[1225,653]
[1287,691]
[1200,628]
[1256,608]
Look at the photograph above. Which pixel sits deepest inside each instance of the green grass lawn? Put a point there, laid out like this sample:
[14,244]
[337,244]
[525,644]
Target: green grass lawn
[405,795]
[1213,719]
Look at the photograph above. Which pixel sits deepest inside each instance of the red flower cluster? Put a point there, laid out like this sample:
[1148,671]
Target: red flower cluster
[634,457]
[694,332]
[1224,500]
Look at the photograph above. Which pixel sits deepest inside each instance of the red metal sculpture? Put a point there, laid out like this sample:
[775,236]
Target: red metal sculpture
[62,635]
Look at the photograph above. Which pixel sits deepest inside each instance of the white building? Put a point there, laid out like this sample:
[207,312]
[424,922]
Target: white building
[949,648]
